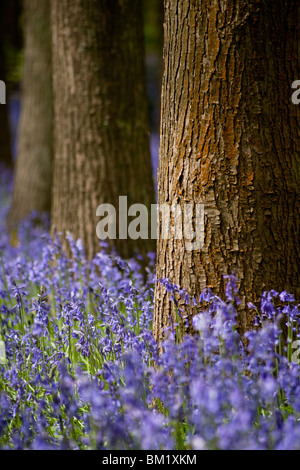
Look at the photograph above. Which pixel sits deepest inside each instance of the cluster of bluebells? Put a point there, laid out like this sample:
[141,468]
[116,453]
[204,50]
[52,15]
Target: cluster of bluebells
[82,370]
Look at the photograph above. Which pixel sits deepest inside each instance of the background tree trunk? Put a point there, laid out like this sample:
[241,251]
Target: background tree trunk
[230,140]
[102,148]
[32,186]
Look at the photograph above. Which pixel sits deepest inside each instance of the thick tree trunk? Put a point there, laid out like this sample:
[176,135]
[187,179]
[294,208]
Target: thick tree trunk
[32,186]
[230,141]
[102,146]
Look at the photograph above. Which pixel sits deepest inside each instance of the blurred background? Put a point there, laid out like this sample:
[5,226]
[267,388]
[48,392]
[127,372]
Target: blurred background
[12,64]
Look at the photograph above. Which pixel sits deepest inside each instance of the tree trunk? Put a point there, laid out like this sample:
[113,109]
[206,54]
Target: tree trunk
[230,141]
[102,148]
[32,186]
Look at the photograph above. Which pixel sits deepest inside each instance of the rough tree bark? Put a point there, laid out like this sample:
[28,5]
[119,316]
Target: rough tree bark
[102,146]
[230,140]
[32,185]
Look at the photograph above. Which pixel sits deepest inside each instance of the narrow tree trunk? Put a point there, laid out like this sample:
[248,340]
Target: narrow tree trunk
[230,141]
[102,146]
[32,186]
[154,15]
